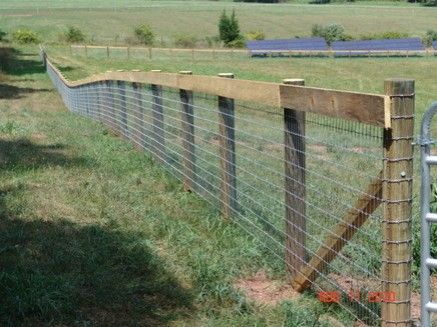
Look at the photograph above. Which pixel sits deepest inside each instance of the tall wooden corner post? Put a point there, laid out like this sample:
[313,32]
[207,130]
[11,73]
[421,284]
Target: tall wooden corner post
[295,192]
[228,187]
[187,122]
[397,201]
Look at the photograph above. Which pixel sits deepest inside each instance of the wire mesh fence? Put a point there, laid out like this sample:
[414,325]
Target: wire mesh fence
[306,187]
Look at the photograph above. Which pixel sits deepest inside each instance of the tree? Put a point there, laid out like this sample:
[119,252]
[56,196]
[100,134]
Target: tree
[229,29]
[144,34]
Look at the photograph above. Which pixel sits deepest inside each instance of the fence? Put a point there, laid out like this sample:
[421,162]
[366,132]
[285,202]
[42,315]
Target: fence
[127,52]
[321,178]
[150,53]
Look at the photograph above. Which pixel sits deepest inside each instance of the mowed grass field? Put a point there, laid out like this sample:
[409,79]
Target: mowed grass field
[102,24]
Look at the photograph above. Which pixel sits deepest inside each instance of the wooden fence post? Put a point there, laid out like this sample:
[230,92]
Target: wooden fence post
[128,53]
[107,52]
[227,153]
[158,124]
[397,199]
[187,120]
[138,124]
[150,53]
[86,51]
[295,189]
[122,101]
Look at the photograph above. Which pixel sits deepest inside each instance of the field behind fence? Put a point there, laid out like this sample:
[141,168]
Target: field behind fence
[322,178]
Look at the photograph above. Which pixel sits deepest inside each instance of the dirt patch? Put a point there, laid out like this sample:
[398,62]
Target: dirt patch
[38,137]
[260,289]
[355,284]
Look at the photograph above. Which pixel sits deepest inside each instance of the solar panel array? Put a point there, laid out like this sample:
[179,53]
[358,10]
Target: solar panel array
[340,48]
[368,46]
[305,44]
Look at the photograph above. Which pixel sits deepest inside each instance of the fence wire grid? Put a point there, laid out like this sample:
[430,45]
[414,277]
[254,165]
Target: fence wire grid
[341,159]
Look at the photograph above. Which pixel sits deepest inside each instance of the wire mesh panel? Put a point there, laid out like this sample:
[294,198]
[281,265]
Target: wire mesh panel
[306,186]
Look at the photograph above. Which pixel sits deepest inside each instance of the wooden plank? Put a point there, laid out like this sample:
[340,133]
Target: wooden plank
[295,190]
[397,194]
[361,107]
[228,188]
[364,108]
[343,232]
[187,122]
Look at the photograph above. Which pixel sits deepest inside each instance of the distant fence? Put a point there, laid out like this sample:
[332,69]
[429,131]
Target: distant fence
[321,178]
[153,53]
[99,51]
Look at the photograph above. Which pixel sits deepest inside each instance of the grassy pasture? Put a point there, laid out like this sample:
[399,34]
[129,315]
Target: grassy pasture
[104,25]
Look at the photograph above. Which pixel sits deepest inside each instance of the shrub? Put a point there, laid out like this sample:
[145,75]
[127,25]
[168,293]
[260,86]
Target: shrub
[229,29]
[74,35]
[255,35]
[185,41]
[331,32]
[239,42]
[25,36]
[430,3]
[384,35]
[2,35]
[145,34]
[429,38]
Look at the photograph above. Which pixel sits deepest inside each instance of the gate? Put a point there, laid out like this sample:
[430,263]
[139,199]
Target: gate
[428,159]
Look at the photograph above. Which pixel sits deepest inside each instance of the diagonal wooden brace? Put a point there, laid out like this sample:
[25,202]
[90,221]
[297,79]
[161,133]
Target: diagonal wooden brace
[345,230]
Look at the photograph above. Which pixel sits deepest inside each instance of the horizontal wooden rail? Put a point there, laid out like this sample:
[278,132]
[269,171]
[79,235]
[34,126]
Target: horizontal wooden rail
[361,107]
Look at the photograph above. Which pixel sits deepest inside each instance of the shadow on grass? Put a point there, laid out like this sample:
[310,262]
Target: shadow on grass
[56,273]
[23,154]
[16,63]
[8,91]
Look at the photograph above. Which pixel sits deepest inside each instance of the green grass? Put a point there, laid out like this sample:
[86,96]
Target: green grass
[104,25]
[93,233]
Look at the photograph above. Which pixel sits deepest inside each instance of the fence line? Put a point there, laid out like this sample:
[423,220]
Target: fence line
[272,157]
[214,53]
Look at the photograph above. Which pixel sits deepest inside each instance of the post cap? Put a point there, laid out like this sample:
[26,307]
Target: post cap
[186,72]
[136,70]
[120,70]
[226,75]
[293,81]
[156,70]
